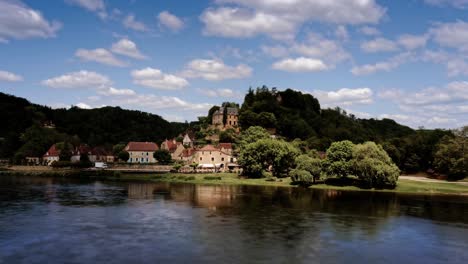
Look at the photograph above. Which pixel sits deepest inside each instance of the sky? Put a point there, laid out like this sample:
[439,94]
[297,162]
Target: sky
[404,60]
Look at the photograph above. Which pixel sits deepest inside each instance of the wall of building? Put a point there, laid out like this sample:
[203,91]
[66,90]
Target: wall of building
[141,157]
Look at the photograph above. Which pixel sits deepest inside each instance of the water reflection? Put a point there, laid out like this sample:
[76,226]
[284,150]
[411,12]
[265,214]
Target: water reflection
[64,220]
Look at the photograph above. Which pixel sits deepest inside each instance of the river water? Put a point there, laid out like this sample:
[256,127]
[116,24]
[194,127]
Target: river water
[45,220]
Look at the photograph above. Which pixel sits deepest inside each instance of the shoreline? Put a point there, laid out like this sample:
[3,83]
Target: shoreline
[404,185]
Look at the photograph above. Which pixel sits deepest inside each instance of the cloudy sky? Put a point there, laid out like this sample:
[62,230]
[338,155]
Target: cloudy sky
[405,60]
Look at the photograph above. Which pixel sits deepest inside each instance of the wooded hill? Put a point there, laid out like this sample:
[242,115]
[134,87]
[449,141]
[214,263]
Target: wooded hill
[100,126]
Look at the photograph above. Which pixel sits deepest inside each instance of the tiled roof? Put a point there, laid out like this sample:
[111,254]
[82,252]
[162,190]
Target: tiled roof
[100,151]
[209,148]
[187,152]
[225,145]
[52,152]
[171,145]
[141,146]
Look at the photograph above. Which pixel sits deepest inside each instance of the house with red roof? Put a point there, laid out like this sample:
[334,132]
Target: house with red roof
[174,147]
[211,158]
[51,155]
[141,152]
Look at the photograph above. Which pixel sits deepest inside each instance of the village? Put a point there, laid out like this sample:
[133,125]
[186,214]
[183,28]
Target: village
[185,154]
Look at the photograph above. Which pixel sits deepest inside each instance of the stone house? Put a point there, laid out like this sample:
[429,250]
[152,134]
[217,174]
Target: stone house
[175,148]
[141,152]
[232,118]
[212,158]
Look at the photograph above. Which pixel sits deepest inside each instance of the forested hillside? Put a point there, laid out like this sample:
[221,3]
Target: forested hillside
[24,125]
[295,115]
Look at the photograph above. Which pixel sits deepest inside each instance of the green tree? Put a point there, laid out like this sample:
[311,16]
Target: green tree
[123,156]
[117,148]
[262,154]
[253,134]
[194,166]
[177,167]
[301,177]
[451,157]
[311,165]
[163,156]
[339,155]
[373,166]
[65,151]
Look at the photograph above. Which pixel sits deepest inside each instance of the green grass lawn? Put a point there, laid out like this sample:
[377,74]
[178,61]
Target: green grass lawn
[404,186]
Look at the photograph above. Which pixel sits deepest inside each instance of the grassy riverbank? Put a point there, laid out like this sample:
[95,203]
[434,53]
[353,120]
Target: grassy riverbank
[404,185]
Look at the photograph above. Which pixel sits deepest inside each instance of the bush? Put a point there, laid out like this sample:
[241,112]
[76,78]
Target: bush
[211,178]
[302,178]
[61,164]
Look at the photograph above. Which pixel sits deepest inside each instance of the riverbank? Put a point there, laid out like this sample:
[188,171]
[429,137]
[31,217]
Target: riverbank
[405,185]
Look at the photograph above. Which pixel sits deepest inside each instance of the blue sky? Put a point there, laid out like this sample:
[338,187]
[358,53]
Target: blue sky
[405,60]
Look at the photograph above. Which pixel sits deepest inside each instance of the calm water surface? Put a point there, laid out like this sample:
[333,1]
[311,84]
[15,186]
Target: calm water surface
[44,220]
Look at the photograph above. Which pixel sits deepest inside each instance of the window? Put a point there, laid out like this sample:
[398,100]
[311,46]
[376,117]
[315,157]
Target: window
[137,159]
[146,153]
[222,159]
[146,159]
[201,158]
[212,159]
[232,159]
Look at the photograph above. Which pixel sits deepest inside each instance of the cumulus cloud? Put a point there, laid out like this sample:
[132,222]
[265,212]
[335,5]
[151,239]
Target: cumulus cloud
[80,79]
[379,45]
[451,35]
[83,106]
[300,64]
[131,23]
[96,6]
[344,96]
[412,41]
[386,66]
[215,70]
[277,51]
[170,21]
[281,19]
[369,31]
[6,76]
[227,93]
[18,21]
[456,64]
[319,47]
[155,78]
[99,55]
[127,48]
[111,91]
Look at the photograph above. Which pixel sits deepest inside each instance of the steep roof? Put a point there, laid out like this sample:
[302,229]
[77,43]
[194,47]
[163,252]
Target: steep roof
[171,145]
[225,145]
[187,153]
[141,146]
[52,152]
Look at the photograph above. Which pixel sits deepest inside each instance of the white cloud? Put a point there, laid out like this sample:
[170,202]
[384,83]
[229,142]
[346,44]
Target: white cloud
[452,35]
[379,45]
[96,6]
[369,31]
[300,64]
[241,23]
[155,102]
[170,21]
[392,94]
[111,91]
[80,79]
[131,23]
[282,19]
[275,51]
[99,55]
[342,33]
[316,46]
[155,78]
[387,65]
[18,21]
[6,76]
[456,64]
[215,70]
[227,93]
[344,96]
[127,48]
[83,106]
[412,41]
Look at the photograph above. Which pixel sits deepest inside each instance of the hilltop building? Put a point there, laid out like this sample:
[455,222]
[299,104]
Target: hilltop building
[232,118]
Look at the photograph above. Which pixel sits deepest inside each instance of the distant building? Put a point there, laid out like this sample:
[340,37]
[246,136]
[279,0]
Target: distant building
[174,147]
[212,158]
[232,118]
[141,152]
[187,141]
[51,155]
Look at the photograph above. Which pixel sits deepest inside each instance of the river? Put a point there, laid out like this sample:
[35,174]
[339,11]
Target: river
[47,220]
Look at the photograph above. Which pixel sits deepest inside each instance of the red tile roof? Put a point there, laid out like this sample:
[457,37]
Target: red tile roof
[187,152]
[172,145]
[225,145]
[52,152]
[141,146]
[209,148]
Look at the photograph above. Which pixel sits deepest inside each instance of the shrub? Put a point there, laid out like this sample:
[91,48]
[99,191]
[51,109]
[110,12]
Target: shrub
[301,177]
[211,178]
